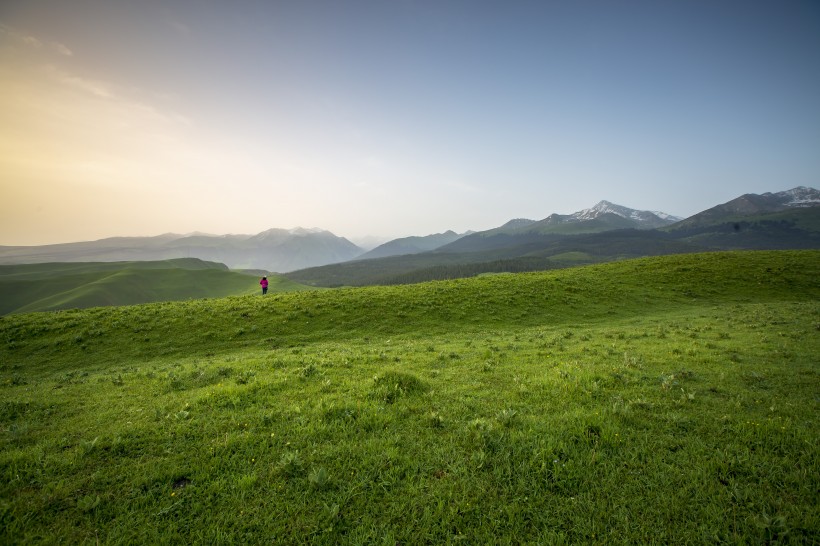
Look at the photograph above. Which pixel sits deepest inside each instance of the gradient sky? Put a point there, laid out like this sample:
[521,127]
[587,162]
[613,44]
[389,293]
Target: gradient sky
[394,117]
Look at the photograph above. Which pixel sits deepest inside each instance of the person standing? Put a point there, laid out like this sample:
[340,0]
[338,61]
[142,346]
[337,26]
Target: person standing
[264,283]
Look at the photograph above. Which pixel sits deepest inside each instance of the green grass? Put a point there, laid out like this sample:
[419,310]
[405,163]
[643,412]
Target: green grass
[46,287]
[572,258]
[666,400]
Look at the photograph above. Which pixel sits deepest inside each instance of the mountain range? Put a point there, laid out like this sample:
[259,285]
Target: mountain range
[606,231]
[271,250]
[602,217]
[412,245]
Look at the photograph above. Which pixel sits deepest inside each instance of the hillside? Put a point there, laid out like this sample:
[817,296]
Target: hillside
[598,292]
[668,400]
[45,287]
[793,228]
[753,205]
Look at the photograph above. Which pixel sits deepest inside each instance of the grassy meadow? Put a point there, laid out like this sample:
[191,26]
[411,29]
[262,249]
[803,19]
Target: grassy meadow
[30,288]
[669,400]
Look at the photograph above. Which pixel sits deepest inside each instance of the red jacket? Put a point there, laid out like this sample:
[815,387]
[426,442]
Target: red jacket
[264,283]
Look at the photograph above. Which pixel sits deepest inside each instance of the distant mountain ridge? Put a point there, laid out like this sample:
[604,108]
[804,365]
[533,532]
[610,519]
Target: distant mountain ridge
[606,212]
[602,217]
[644,218]
[750,204]
[412,245]
[772,221]
[278,250]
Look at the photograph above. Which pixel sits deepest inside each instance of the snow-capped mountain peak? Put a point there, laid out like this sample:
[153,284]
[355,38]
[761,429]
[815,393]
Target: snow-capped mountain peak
[801,196]
[306,231]
[751,203]
[640,216]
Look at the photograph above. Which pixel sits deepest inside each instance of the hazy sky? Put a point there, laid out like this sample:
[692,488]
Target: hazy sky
[394,117]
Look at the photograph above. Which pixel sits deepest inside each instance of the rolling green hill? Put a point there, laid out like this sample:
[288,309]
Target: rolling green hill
[660,400]
[44,287]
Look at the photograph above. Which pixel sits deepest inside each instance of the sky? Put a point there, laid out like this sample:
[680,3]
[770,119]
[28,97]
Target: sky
[393,118]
